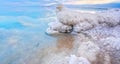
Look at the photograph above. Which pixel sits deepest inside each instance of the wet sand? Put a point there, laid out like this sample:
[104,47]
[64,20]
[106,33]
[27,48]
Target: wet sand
[65,41]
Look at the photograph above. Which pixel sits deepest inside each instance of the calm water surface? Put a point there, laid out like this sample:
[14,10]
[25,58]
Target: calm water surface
[22,32]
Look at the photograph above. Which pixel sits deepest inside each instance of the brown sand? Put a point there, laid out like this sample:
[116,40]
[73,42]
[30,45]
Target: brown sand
[65,41]
[64,44]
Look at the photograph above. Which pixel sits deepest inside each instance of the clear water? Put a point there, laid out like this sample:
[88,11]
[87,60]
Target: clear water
[22,29]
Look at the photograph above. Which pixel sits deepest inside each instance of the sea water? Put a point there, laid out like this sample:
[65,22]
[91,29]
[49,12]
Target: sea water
[22,33]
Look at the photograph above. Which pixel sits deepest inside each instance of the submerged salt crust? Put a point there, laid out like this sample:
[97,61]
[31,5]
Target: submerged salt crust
[96,38]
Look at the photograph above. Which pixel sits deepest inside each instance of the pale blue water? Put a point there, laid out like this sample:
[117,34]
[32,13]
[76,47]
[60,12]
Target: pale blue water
[22,28]
[15,41]
[22,31]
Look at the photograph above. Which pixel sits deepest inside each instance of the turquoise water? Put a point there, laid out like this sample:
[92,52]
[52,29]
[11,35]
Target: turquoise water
[18,42]
[23,32]
[22,29]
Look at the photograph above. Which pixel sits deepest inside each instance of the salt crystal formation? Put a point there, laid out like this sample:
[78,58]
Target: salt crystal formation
[97,36]
[77,60]
[82,21]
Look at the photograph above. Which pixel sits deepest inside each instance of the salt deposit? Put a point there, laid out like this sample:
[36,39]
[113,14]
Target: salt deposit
[82,21]
[96,36]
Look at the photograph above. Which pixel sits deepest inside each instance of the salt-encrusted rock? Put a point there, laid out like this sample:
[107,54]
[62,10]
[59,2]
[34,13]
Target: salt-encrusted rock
[91,49]
[77,60]
[98,45]
[112,42]
[82,21]
[57,27]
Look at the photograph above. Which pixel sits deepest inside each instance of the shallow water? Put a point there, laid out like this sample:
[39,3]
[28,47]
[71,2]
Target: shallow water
[22,33]
[20,44]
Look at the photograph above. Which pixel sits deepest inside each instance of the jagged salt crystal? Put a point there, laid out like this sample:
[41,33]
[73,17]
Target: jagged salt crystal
[77,60]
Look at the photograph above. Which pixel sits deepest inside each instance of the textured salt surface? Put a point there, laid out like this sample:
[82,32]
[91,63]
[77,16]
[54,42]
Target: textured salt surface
[96,38]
